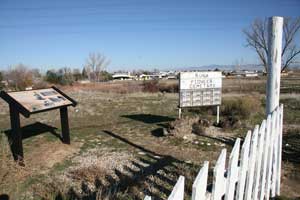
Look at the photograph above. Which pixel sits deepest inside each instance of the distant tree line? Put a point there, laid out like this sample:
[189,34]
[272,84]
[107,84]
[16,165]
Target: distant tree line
[1,79]
[20,77]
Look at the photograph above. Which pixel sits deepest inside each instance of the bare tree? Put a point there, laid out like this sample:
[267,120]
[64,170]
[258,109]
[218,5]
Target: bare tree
[20,77]
[257,39]
[95,64]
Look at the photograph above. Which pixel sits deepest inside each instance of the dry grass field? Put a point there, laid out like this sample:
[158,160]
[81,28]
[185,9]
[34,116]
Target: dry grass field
[118,149]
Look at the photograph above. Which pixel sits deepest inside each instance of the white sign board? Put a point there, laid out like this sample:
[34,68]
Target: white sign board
[200,89]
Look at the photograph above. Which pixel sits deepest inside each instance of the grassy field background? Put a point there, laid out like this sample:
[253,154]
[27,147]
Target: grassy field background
[118,150]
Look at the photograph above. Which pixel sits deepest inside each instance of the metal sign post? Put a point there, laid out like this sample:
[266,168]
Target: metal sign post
[218,114]
[179,113]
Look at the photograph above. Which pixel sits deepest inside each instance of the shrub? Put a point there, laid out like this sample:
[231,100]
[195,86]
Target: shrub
[156,86]
[52,77]
[1,79]
[40,85]
[105,76]
[20,77]
[241,107]
[230,122]
[150,86]
[168,87]
[200,126]
[62,77]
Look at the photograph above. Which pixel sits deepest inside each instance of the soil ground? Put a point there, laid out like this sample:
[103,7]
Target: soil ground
[118,150]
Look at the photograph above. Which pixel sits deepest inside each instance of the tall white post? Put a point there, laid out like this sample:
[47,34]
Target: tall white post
[274,63]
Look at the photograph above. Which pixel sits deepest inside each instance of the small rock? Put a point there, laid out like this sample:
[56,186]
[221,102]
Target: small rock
[185,137]
[208,144]
[196,142]
[165,132]
[287,145]
[141,153]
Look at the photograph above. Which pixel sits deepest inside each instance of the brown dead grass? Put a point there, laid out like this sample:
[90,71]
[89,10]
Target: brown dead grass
[183,128]
[121,87]
[40,160]
[96,103]
[290,179]
[96,164]
[49,154]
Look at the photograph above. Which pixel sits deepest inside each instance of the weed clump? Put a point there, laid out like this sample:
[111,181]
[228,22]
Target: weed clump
[156,86]
[150,86]
[168,87]
[188,127]
[240,107]
[235,110]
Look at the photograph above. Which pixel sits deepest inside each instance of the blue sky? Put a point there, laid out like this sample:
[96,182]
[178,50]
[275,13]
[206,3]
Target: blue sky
[133,34]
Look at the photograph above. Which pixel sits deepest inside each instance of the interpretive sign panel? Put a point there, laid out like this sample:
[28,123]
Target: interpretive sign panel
[37,100]
[200,89]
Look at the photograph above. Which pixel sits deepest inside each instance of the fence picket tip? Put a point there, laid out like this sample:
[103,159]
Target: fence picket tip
[178,190]
[147,198]
[200,183]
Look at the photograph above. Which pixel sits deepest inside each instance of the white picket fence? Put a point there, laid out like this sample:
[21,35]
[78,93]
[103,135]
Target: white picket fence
[252,173]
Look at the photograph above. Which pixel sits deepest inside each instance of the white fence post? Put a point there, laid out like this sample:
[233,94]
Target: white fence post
[252,159]
[178,190]
[200,183]
[219,183]
[233,170]
[274,63]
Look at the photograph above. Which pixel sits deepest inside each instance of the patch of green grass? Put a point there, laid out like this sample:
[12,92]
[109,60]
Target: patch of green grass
[59,167]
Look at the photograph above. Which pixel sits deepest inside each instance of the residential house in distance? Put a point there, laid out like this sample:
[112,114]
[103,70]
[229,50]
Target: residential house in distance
[242,73]
[145,77]
[123,76]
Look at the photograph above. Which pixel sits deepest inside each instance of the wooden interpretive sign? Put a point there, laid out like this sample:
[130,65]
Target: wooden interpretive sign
[38,100]
[31,102]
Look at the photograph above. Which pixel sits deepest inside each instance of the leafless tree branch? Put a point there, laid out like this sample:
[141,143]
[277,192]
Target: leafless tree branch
[256,38]
[96,63]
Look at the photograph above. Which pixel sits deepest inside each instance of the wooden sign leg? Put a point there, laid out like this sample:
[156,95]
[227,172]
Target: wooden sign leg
[16,143]
[65,125]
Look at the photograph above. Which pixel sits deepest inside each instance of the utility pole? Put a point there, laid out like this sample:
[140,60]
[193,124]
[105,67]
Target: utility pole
[274,63]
